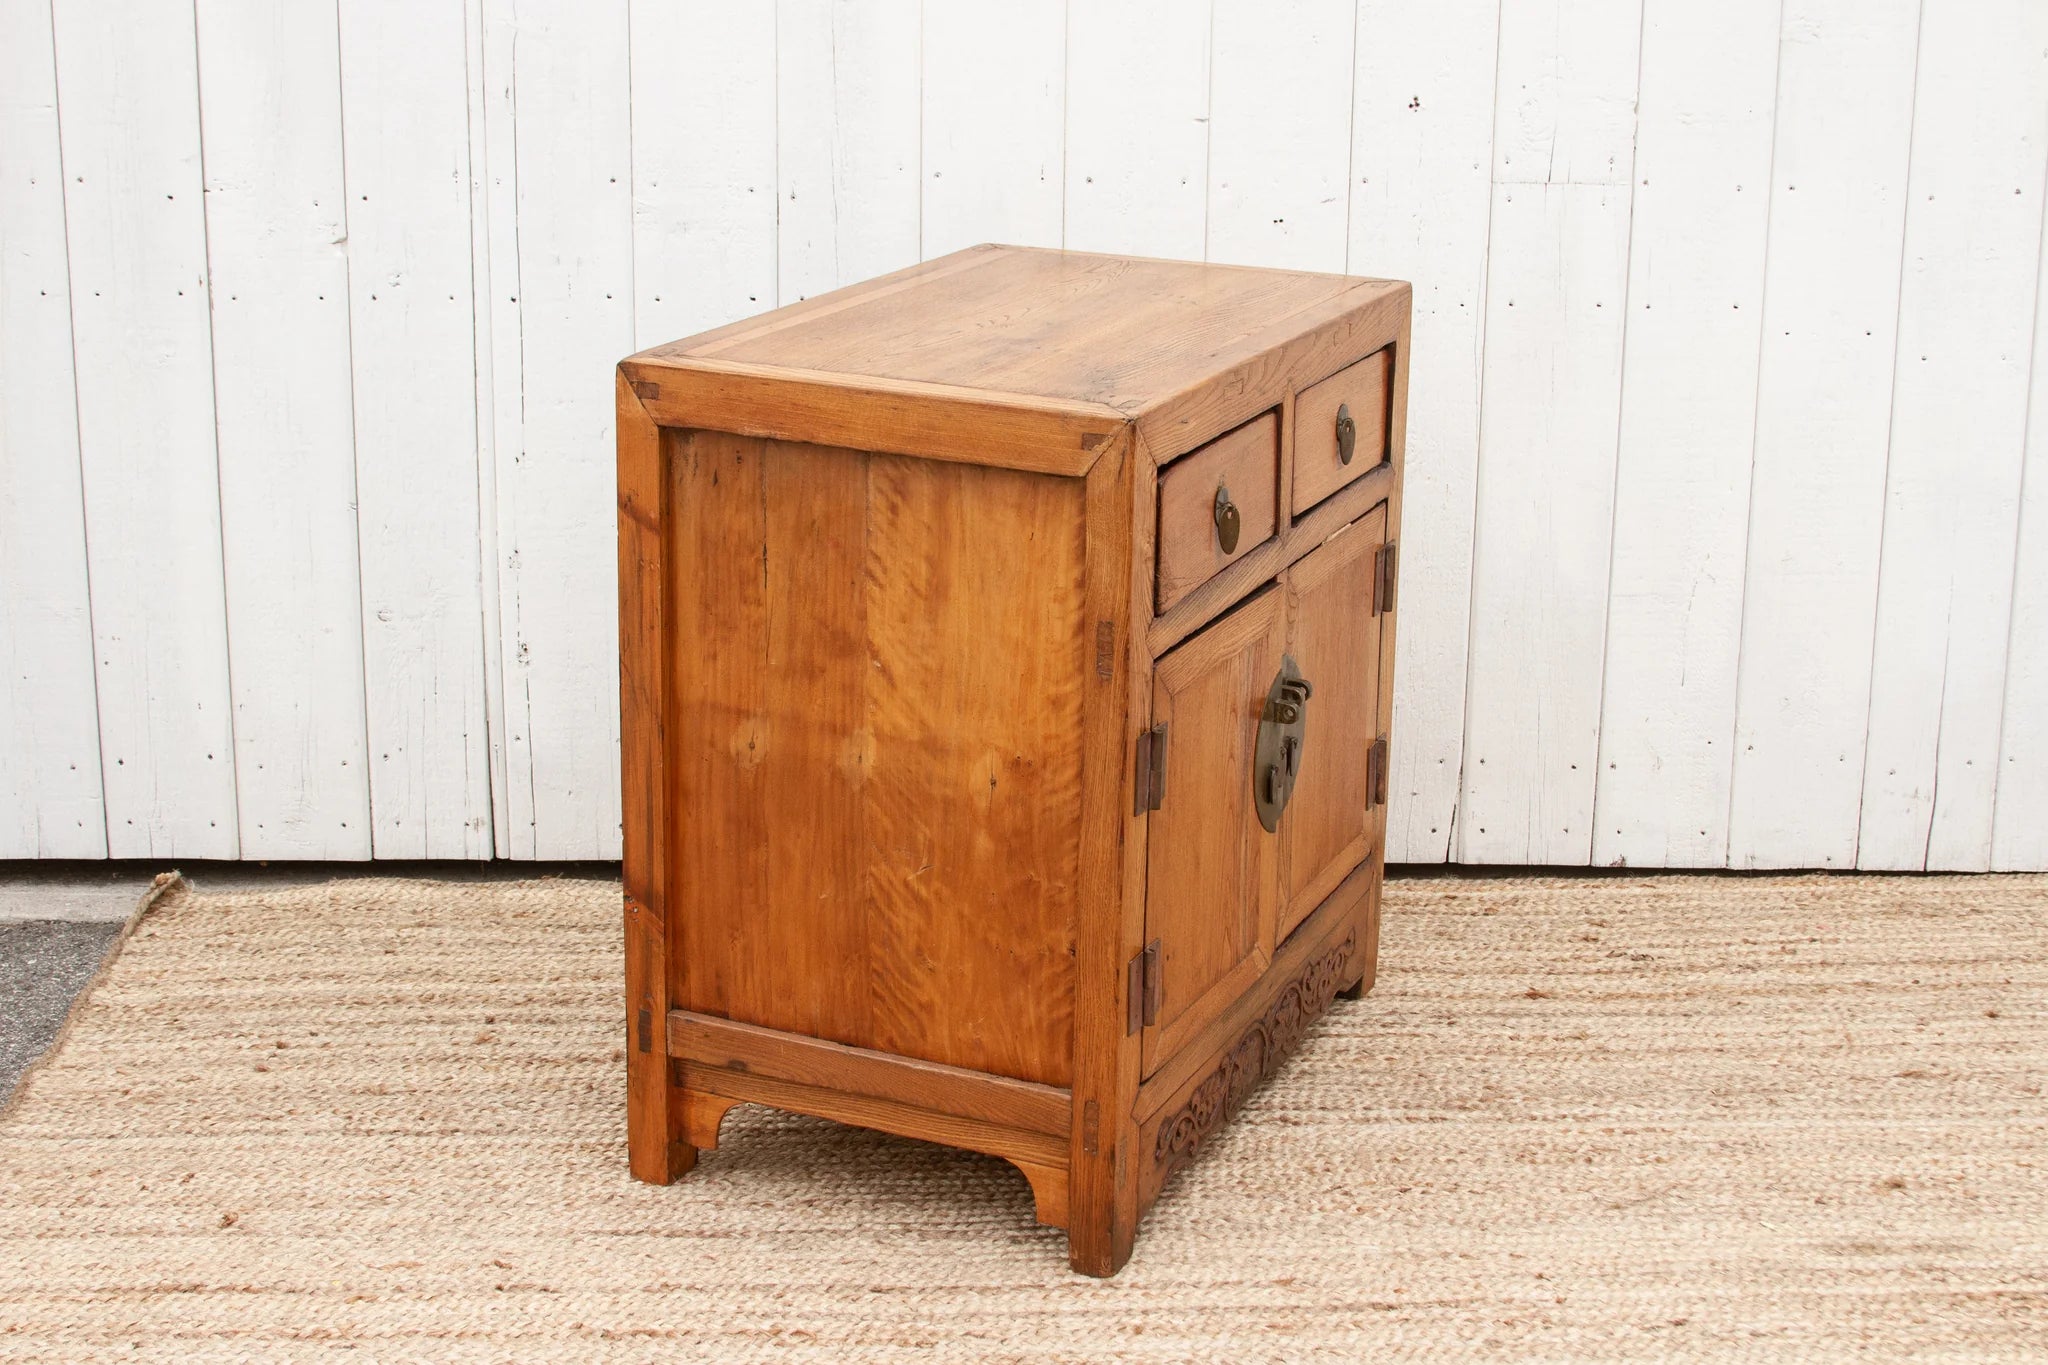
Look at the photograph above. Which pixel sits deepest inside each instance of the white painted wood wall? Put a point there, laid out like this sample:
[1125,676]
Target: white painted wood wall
[1727,521]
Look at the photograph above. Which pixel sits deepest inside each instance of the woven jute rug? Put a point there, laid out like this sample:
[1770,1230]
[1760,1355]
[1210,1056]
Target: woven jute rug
[1630,1119]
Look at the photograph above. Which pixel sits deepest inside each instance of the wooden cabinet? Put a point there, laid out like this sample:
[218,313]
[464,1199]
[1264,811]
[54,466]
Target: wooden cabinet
[1005,660]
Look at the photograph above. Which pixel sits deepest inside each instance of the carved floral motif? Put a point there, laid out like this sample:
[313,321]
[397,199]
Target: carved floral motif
[1254,1057]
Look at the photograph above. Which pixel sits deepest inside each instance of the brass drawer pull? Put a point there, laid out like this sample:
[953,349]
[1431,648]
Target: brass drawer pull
[1228,521]
[1347,434]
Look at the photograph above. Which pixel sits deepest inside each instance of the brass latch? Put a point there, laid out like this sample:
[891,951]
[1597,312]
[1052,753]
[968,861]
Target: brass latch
[1283,730]
[1347,434]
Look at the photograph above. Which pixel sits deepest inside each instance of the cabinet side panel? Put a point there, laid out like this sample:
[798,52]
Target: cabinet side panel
[973,776]
[875,712]
[768,672]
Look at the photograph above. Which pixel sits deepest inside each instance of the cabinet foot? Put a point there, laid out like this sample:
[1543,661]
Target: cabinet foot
[1356,990]
[1048,1191]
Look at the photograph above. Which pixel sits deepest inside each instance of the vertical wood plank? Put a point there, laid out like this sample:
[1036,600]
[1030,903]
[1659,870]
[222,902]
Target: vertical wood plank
[1137,135]
[557,566]
[276,229]
[50,802]
[1422,146]
[1681,513]
[1830,318]
[1959,413]
[1109,901]
[412,324]
[656,1150]
[994,124]
[703,151]
[846,142]
[128,89]
[494,287]
[1556,293]
[1280,132]
[2019,831]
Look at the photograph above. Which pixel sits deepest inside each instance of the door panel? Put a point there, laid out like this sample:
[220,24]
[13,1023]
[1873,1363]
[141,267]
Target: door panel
[1212,873]
[1334,638]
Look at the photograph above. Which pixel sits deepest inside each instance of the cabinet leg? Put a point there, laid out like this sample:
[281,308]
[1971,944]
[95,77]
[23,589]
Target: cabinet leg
[1357,989]
[1102,1203]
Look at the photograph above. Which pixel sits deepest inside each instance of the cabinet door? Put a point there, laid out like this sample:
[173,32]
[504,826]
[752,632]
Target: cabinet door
[1212,871]
[1333,636]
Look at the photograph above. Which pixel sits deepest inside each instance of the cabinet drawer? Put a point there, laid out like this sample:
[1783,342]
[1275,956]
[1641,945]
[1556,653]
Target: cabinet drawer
[1233,479]
[1361,393]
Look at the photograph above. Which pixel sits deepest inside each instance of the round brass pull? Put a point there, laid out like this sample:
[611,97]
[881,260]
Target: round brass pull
[1228,521]
[1347,434]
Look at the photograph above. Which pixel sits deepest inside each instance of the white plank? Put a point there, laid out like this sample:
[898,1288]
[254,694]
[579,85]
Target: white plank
[1959,412]
[1422,142]
[2019,831]
[1688,408]
[1138,127]
[847,142]
[703,153]
[270,123]
[1556,296]
[994,120]
[1838,199]
[1280,132]
[405,107]
[494,277]
[128,88]
[50,804]
[557,547]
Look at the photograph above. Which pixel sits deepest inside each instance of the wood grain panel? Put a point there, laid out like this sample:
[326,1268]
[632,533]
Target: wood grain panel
[1053,324]
[973,794]
[1212,869]
[1334,637]
[890,800]
[769,678]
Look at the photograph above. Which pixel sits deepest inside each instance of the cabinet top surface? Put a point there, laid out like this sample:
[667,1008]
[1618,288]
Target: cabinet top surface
[1070,327]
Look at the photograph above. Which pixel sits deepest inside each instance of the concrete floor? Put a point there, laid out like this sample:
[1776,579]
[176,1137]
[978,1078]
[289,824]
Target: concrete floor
[57,920]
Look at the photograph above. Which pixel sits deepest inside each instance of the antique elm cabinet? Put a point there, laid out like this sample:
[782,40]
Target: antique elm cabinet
[1006,650]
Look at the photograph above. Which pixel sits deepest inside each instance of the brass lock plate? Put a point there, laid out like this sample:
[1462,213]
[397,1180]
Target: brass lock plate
[1283,731]
[1347,434]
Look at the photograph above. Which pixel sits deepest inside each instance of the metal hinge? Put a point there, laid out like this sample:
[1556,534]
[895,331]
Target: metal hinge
[1141,995]
[1376,773]
[1149,782]
[1384,568]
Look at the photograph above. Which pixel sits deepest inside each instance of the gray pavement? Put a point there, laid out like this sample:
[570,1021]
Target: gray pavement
[57,920]
[43,966]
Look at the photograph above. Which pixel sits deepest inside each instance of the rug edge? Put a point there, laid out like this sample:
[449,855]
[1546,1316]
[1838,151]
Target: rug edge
[159,887]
